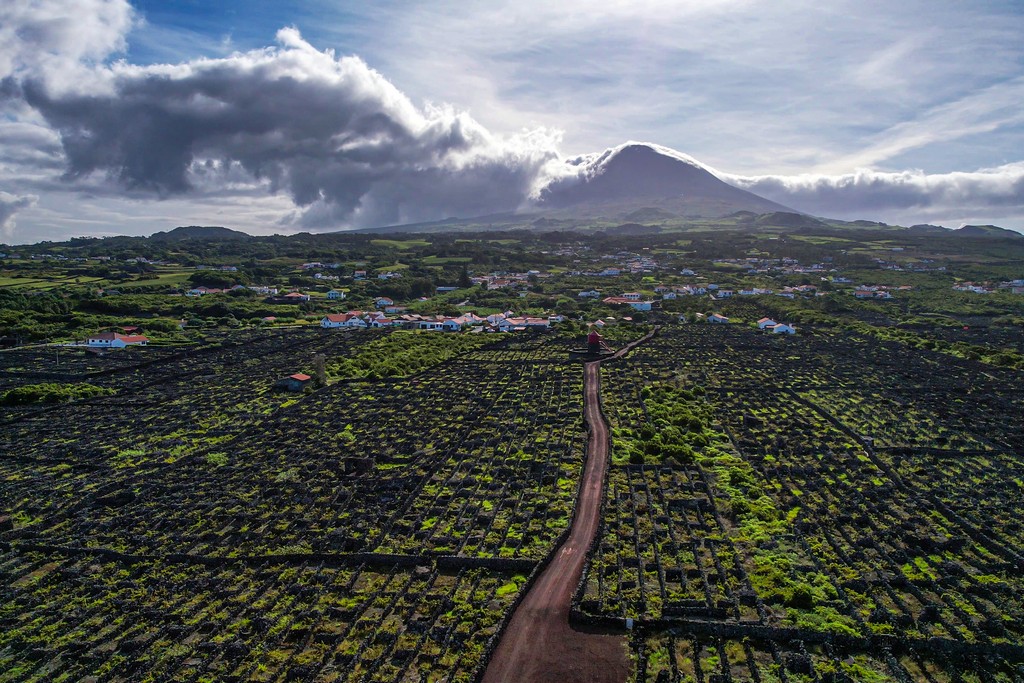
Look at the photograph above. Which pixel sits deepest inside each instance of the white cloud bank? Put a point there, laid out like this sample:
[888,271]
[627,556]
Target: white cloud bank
[341,142]
[949,197]
[10,204]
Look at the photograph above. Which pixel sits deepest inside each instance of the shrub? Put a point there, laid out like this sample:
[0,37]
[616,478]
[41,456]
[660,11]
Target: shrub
[51,392]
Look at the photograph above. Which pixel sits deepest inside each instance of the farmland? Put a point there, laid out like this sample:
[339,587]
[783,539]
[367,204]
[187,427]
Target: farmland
[372,526]
[843,504]
[812,510]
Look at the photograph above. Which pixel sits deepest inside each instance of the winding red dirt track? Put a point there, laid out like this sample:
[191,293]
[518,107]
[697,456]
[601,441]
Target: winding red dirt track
[539,646]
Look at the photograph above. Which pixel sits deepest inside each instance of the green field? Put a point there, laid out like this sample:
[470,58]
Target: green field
[445,260]
[46,283]
[401,245]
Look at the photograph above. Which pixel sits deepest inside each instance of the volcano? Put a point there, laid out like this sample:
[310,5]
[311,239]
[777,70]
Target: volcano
[637,176]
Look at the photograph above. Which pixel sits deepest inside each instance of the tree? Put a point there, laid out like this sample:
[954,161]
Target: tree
[320,369]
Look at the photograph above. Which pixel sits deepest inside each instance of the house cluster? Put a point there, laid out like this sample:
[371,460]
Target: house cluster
[627,263]
[1015,286]
[769,325]
[799,290]
[289,298]
[977,288]
[203,291]
[114,340]
[780,266]
[873,292]
[922,266]
[668,293]
[504,280]
[786,292]
[498,322]
[634,300]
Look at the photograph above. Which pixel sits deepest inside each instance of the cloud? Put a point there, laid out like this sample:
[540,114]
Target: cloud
[60,40]
[11,204]
[987,192]
[333,143]
[340,139]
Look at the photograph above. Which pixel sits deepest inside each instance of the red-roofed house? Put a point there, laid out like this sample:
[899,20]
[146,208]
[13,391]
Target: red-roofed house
[113,340]
[296,382]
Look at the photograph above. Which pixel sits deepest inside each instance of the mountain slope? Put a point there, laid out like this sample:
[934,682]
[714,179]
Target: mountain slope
[987,232]
[639,175]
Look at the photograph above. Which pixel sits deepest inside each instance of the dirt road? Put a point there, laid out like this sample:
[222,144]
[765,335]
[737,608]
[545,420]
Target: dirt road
[539,646]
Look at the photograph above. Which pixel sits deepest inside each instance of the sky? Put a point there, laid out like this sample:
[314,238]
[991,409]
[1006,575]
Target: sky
[271,117]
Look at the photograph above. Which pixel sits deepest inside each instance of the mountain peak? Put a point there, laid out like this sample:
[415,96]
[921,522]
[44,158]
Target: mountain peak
[633,152]
[641,174]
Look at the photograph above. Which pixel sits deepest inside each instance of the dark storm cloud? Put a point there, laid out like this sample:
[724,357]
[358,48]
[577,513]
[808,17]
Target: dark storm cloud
[332,133]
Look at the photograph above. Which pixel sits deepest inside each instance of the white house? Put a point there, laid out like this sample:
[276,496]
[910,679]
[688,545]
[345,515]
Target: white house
[632,296]
[113,340]
[717,318]
[590,294]
[668,295]
[201,291]
[782,328]
[431,325]
[724,293]
[334,320]
[383,301]
[765,322]
[342,320]
[336,295]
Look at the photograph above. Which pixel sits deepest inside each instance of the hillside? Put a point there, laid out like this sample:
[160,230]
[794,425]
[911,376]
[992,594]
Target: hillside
[199,232]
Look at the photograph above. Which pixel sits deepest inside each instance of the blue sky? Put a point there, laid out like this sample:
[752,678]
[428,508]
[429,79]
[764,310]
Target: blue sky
[910,111]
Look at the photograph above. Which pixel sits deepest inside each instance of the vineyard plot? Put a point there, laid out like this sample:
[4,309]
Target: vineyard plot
[367,530]
[753,500]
